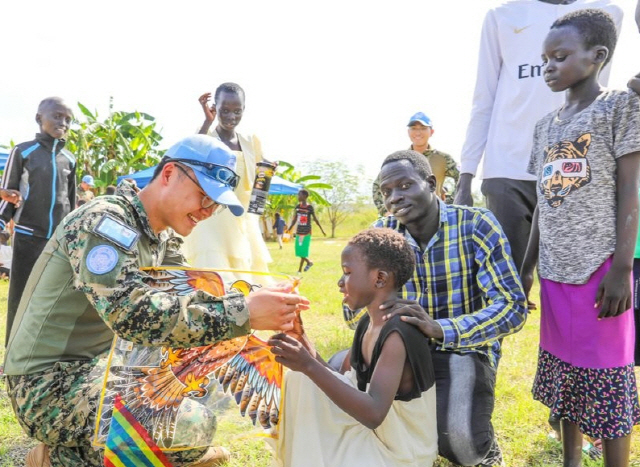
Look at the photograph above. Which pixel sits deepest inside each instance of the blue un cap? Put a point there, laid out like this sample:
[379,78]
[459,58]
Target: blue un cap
[420,117]
[214,166]
[88,179]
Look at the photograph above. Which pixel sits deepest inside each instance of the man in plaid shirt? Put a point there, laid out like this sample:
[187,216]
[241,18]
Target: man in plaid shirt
[465,296]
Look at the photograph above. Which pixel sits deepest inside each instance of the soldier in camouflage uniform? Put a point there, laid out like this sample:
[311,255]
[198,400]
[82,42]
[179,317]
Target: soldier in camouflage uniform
[87,285]
[444,166]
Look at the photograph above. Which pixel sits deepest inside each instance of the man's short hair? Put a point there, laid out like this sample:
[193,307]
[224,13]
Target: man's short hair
[232,88]
[417,160]
[388,250]
[303,192]
[596,27]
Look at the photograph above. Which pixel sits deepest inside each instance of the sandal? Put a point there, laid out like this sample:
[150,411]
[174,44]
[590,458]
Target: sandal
[594,452]
[588,448]
[307,267]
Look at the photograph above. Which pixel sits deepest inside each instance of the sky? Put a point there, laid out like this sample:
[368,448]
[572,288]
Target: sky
[334,80]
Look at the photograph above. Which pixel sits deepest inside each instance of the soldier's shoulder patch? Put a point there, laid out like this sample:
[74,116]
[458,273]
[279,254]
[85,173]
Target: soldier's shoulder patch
[116,231]
[102,259]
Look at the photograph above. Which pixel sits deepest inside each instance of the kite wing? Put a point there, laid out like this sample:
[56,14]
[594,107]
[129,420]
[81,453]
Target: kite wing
[254,378]
[176,394]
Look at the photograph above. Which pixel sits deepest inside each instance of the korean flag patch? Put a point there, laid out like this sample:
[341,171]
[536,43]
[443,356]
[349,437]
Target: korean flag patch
[116,231]
[102,259]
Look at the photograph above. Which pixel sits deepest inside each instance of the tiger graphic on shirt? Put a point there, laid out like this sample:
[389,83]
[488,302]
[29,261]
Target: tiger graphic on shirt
[565,169]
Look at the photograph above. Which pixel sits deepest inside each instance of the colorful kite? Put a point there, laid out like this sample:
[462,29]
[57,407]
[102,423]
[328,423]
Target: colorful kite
[177,394]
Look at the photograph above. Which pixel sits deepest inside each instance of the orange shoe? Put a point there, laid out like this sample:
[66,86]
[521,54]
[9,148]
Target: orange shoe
[38,457]
[214,456]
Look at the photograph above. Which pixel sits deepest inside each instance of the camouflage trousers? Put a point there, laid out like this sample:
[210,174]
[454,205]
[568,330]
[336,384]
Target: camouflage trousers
[58,407]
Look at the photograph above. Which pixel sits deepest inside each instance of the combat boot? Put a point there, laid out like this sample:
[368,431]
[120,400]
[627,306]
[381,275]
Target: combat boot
[38,457]
[214,456]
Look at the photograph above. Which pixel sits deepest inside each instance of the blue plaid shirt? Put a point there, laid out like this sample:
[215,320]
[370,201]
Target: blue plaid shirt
[466,280]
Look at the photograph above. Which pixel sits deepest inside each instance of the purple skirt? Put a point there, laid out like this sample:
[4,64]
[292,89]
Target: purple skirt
[570,329]
[585,365]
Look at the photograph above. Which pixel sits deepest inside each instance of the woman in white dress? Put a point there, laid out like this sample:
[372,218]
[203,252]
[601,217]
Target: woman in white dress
[224,241]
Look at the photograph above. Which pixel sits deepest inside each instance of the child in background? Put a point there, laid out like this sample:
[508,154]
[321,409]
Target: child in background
[279,225]
[586,156]
[45,175]
[382,411]
[304,214]
[225,241]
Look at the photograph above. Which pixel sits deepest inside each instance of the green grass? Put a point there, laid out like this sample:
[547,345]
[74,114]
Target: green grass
[520,422]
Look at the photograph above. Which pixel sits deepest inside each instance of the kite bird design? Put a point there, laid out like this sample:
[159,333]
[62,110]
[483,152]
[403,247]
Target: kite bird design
[243,367]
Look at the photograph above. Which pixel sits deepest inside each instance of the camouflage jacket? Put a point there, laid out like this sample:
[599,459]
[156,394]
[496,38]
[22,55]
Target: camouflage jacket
[87,285]
[444,166]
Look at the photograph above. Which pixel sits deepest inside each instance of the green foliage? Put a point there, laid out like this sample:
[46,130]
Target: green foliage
[122,143]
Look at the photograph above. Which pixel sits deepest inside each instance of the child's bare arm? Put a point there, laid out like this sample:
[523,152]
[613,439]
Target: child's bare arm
[531,256]
[293,222]
[369,408]
[209,112]
[317,222]
[614,292]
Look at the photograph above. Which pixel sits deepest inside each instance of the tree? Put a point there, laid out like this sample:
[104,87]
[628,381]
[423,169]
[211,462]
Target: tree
[123,143]
[345,193]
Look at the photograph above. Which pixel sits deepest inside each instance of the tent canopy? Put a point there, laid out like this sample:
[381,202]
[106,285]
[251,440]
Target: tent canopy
[279,186]
[3,159]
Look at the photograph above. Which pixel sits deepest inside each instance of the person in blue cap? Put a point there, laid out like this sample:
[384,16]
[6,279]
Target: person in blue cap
[84,189]
[442,164]
[88,286]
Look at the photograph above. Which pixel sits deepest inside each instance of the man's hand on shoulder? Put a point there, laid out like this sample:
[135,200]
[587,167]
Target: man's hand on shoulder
[412,313]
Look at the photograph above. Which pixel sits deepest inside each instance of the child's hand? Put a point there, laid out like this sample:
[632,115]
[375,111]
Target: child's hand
[299,334]
[527,283]
[11,196]
[614,294]
[290,353]
[209,111]
[298,329]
